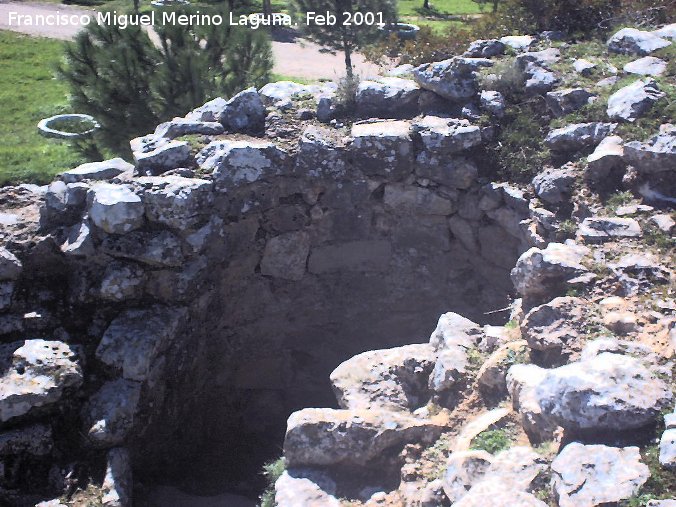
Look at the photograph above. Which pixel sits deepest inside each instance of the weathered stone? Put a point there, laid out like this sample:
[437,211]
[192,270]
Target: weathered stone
[499,498]
[583,67]
[578,136]
[115,208]
[554,185]
[558,325]
[493,102]
[599,229]
[35,440]
[541,273]
[392,379]
[162,249]
[383,148]
[522,383]
[245,112]
[606,392]
[163,158]
[663,222]
[105,170]
[451,171]
[656,155]
[324,436]
[211,111]
[320,153]
[591,475]
[518,42]
[668,449]
[634,100]
[237,163]
[449,370]
[544,57]
[109,414]
[646,66]
[36,374]
[563,102]
[485,48]
[465,232]
[539,79]
[299,487]
[492,376]
[388,97]
[285,256]
[463,469]
[184,127]
[10,266]
[446,136]
[416,200]
[373,255]
[607,156]
[180,203]
[282,91]
[78,242]
[453,79]
[117,484]
[455,330]
[633,41]
[137,338]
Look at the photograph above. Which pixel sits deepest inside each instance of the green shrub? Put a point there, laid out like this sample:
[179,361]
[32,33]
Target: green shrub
[346,94]
[272,471]
[492,441]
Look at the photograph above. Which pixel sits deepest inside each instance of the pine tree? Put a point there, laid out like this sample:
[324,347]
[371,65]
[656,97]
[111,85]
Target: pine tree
[340,36]
[129,85]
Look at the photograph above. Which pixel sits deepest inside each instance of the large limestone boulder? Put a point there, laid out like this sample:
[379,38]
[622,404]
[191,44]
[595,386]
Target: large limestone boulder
[455,330]
[634,100]
[383,148]
[606,392]
[634,41]
[135,340]
[117,484]
[324,436]
[236,163]
[591,475]
[177,202]
[541,273]
[578,136]
[393,379]
[36,373]
[554,185]
[453,79]
[388,97]
[656,155]
[109,414]
[599,229]
[105,170]
[115,208]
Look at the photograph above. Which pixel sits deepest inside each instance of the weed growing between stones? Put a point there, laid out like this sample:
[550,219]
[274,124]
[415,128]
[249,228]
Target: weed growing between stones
[272,471]
[492,441]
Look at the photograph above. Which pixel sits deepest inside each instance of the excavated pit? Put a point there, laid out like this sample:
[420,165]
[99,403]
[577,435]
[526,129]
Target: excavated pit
[274,319]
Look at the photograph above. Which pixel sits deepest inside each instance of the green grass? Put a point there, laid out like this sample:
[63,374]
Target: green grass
[272,471]
[438,8]
[281,77]
[28,93]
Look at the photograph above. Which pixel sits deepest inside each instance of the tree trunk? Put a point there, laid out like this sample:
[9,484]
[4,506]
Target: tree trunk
[348,61]
[495,5]
[136,6]
[267,7]
[426,5]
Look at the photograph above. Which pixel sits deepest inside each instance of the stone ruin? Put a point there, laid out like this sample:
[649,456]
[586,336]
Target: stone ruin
[168,316]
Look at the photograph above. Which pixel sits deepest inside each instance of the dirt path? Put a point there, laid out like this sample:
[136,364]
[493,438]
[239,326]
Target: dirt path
[299,59]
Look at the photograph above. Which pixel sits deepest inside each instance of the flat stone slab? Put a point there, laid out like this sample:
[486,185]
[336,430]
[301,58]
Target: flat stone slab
[599,229]
[97,170]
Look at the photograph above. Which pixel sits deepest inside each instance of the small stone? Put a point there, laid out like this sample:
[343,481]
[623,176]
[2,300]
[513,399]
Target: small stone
[606,156]
[620,323]
[493,102]
[554,185]
[183,127]
[634,100]
[485,48]
[518,42]
[633,41]
[163,158]
[584,67]
[663,222]
[10,266]
[563,102]
[578,136]
[388,97]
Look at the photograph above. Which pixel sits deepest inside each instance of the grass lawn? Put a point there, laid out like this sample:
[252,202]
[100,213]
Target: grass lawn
[439,16]
[28,93]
